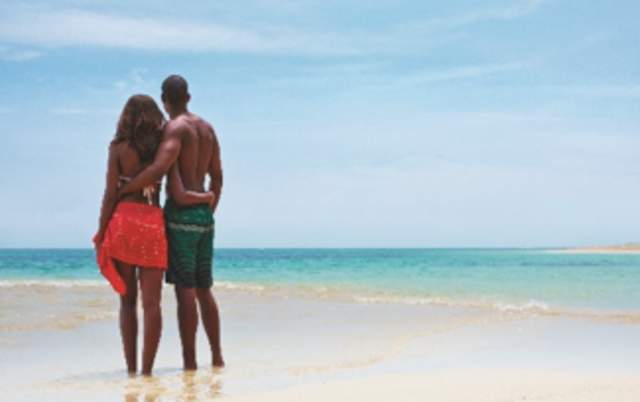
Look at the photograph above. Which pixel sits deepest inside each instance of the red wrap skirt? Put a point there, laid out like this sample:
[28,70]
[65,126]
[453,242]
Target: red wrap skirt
[135,235]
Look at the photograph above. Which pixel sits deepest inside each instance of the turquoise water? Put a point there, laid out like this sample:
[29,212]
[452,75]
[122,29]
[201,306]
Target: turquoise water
[505,278]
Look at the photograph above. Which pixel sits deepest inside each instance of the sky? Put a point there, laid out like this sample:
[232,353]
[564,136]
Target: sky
[402,123]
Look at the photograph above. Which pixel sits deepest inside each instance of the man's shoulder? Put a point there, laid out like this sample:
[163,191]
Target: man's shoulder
[177,127]
[202,123]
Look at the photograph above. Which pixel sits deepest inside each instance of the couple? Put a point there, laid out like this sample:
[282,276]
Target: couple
[137,240]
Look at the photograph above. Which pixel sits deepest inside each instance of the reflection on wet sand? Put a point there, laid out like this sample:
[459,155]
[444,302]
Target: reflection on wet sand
[189,386]
[189,392]
[149,388]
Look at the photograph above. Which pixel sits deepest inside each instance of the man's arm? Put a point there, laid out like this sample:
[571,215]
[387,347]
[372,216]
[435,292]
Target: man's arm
[215,172]
[166,156]
[184,197]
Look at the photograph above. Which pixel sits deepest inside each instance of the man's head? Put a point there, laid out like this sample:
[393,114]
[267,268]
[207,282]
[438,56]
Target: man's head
[175,93]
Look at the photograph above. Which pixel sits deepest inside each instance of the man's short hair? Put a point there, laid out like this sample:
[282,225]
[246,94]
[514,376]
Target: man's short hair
[175,90]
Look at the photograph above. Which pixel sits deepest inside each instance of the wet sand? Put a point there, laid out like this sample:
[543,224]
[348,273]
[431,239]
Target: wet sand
[291,348]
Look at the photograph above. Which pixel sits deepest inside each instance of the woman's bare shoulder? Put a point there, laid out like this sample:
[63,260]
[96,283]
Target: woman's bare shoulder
[127,157]
[117,147]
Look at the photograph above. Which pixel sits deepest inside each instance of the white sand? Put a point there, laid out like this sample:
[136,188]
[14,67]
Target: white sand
[620,249]
[286,348]
[464,385]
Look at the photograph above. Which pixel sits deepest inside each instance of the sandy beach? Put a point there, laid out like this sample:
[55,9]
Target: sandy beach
[632,248]
[390,201]
[283,347]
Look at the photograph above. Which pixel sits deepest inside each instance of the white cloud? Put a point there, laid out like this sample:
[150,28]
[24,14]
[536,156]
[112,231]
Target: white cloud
[78,28]
[10,54]
[136,81]
[517,10]
[372,76]
[74,27]
[463,72]
[605,91]
[592,90]
[513,11]
[69,111]
[80,111]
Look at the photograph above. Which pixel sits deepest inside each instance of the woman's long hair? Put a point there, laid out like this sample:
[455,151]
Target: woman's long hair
[141,124]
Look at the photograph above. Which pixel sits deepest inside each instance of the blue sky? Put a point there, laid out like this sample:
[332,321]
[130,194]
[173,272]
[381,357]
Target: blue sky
[342,123]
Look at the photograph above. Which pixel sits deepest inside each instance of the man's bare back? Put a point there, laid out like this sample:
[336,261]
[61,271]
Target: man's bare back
[196,151]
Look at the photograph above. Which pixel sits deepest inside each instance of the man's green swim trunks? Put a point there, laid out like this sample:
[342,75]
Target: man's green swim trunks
[190,237]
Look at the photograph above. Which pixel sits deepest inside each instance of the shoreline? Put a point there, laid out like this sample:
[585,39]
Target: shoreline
[97,294]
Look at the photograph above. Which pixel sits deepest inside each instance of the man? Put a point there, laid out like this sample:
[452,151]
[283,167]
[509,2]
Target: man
[190,146]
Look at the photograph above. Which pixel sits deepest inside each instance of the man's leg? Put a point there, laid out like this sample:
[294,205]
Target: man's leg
[188,324]
[181,273]
[208,306]
[211,322]
[129,315]
[151,285]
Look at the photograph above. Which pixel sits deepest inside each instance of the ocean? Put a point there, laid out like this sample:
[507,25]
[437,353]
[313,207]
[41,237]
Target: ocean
[504,279]
[551,325]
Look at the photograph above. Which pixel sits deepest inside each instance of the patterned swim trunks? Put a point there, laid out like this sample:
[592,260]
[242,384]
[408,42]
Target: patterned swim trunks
[190,232]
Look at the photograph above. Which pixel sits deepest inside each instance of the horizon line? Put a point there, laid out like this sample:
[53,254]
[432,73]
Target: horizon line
[341,248]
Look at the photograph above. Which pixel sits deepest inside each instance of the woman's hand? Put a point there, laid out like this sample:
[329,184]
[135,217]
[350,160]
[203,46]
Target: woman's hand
[97,240]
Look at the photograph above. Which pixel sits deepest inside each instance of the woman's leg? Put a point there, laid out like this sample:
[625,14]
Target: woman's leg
[128,314]
[151,285]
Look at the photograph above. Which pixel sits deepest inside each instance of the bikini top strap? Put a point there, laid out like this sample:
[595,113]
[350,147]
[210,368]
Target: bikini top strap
[128,179]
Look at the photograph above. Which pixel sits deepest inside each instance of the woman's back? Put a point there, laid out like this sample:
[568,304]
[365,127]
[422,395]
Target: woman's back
[138,135]
[130,164]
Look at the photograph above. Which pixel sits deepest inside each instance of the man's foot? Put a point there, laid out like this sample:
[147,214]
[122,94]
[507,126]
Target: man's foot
[189,362]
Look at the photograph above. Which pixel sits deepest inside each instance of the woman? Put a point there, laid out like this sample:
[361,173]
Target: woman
[131,238]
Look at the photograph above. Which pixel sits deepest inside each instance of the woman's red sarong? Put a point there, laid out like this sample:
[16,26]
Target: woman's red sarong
[135,235]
